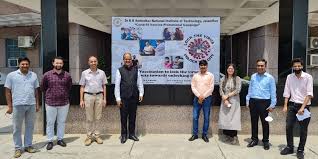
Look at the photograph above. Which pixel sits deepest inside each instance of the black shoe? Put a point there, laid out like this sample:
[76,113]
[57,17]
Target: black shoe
[49,146]
[61,143]
[133,137]
[287,150]
[252,143]
[193,137]
[123,139]
[300,154]
[205,138]
[266,145]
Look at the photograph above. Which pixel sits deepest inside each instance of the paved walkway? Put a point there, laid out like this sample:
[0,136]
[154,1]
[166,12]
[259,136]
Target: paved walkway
[150,146]
[156,146]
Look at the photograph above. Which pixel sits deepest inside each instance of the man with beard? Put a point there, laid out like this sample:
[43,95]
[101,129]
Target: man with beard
[202,86]
[129,90]
[22,94]
[93,99]
[299,91]
[56,85]
[261,99]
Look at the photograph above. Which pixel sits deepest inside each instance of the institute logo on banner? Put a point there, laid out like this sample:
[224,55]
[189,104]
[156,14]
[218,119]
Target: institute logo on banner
[199,47]
[117,22]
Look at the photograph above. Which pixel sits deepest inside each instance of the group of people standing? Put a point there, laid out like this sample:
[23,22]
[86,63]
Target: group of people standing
[23,88]
[260,100]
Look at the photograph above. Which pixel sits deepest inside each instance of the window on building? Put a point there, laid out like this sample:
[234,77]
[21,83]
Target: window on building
[13,52]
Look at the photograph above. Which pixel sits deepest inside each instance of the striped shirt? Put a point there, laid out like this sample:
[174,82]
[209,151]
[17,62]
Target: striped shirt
[22,87]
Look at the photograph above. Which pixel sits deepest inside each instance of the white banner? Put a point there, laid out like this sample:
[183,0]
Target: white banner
[167,50]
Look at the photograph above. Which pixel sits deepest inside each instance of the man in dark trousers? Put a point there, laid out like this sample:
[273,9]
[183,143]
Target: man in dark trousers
[129,90]
[261,99]
[298,93]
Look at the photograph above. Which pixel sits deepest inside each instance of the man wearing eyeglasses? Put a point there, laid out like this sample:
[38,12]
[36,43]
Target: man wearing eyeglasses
[261,99]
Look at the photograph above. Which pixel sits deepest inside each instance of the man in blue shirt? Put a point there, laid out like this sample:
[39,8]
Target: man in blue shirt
[261,99]
[22,94]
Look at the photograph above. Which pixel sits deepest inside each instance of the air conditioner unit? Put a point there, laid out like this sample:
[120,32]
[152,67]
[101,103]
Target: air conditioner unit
[25,41]
[313,42]
[13,63]
[314,60]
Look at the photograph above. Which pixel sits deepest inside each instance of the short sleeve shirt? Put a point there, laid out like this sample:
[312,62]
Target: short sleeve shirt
[22,87]
[93,81]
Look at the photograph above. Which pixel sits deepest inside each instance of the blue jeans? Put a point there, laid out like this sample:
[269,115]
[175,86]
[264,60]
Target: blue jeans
[58,113]
[20,113]
[206,105]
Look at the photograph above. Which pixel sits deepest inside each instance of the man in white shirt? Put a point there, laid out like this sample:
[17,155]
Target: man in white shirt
[22,94]
[299,91]
[93,98]
[129,90]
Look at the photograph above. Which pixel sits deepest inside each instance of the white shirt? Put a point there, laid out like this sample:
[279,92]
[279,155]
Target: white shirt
[298,88]
[117,85]
[148,50]
[22,87]
[93,82]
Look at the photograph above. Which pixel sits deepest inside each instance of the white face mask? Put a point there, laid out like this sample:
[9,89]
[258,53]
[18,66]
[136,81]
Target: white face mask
[269,118]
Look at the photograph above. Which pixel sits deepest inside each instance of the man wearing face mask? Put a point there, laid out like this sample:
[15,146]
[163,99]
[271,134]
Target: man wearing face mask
[56,85]
[129,90]
[261,99]
[299,91]
[202,86]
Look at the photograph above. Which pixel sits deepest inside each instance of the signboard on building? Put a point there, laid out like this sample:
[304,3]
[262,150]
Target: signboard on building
[167,50]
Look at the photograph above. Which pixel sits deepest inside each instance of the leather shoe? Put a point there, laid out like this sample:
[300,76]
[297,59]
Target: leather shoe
[252,143]
[300,155]
[49,146]
[205,138]
[133,137]
[61,143]
[123,139]
[287,150]
[266,146]
[193,137]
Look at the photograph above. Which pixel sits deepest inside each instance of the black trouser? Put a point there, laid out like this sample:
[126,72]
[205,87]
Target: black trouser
[230,133]
[128,110]
[258,110]
[290,122]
